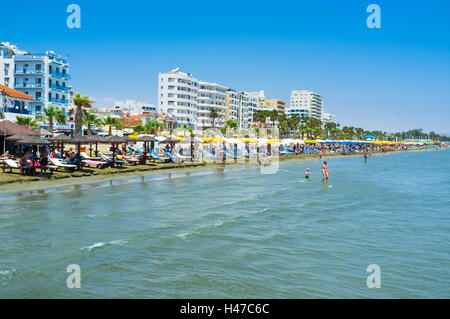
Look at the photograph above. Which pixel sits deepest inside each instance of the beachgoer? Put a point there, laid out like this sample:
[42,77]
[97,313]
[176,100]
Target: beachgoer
[307,174]
[325,171]
[5,155]
[320,154]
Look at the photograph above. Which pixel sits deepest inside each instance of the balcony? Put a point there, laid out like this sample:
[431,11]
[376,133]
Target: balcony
[28,72]
[16,110]
[60,88]
[26,85]
[61,75]
[59,101]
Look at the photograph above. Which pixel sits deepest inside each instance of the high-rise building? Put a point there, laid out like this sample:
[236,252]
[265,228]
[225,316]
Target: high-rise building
[240,107]
[177,97]
[190,101]
[45,77]
[305,103]
[211,96]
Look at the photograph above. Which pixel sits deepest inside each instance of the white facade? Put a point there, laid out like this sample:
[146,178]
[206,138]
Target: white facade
[305,103]
[177,97]
[327,117]
[241,107]
[190,101]
[11,106]
[133,107]
[45,77]
[211,96]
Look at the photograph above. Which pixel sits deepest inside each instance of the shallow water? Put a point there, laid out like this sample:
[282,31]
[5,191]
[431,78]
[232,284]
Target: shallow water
[238,234]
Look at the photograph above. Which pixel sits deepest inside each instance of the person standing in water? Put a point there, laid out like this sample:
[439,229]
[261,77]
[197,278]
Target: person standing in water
[366,155]
[320,154]
[307,174]
[325,172]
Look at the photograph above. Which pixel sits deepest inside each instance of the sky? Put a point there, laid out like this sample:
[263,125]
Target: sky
[393,78]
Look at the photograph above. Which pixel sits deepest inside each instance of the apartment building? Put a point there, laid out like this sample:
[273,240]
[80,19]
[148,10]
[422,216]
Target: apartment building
[240,106]
[306,103]
[177,97]
[43,76]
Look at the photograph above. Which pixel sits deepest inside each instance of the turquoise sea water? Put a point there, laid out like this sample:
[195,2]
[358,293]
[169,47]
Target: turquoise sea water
[238,233]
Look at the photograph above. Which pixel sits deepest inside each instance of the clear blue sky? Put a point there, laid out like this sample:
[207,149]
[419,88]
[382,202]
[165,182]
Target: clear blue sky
[393,78]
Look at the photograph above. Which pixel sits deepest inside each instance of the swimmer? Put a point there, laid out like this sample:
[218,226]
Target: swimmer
[307,174]
[325,172]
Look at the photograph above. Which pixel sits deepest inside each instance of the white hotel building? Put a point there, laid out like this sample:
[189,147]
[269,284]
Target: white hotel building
[240,107]
[177,97]
[45,77]
[189,100]
[308,104]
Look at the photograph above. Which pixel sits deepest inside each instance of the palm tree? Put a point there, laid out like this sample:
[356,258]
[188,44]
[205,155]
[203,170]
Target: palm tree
[90,119]
[80,102]
[273,116]
[302,129]
[214,114]
[27,120]
[153,126]
[111,122]
[54,114]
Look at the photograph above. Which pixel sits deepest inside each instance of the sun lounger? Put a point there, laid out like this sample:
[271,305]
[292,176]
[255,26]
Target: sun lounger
[87,157]
[59,164]
[155,157]
[110,161]
[98,164]
[9,164]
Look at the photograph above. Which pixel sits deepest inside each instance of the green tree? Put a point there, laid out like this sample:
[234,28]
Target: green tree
[90,119]
[111,122]
[27,120]
[53,114]
[139,129]
[214,114]
[231,124]
[153,126]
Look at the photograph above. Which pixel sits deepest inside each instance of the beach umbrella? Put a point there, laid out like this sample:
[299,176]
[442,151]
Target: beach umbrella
[114,140]
[94,139]
[61,139]
[16,137]
[369,137]
[146,139]
[170,139]
[35,141]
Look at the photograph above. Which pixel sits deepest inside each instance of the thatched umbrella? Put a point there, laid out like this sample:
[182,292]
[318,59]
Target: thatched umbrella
[35,141]
[171,140]
[61,139]
[115,140]
[78,140]
[95,139]
[17,137]
[146,140]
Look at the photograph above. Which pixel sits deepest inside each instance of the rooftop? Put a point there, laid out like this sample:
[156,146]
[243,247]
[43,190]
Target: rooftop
[14,93]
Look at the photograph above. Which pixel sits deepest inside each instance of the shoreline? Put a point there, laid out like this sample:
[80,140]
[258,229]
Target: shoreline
[63,179]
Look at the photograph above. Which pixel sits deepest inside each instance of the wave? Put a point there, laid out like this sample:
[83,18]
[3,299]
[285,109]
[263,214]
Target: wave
[119,242]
